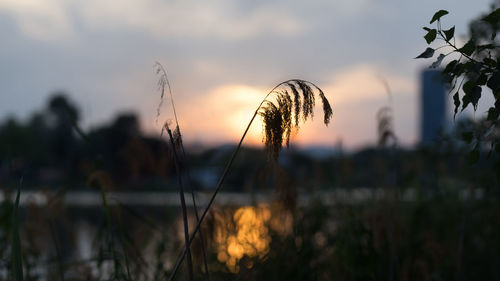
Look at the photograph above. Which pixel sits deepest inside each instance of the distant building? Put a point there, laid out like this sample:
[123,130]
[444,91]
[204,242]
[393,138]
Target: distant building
[432,106]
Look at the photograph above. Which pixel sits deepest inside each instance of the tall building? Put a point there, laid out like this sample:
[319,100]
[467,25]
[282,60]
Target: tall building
[432,106]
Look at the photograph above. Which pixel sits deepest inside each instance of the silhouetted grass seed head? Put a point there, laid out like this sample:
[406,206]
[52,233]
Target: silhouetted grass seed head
[294,101]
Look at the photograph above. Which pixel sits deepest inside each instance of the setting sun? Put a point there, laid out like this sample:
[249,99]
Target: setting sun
[225,111]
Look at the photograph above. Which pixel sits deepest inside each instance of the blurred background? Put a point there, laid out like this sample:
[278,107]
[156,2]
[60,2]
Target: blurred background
[386,191]
[102,56]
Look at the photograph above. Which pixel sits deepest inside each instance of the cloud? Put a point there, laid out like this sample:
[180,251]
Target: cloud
[221,19]
[358,92]
[43,20]
[365,81]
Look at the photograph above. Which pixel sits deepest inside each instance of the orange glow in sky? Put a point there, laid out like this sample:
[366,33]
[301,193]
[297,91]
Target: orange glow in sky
[223,114]
[356,94]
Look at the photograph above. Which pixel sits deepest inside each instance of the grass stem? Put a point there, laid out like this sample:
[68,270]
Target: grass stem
[184,208]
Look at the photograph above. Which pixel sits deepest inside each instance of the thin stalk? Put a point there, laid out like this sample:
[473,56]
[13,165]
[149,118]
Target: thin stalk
[183,161]
[202,241]
[184,211]
[125,255]
[109,222]
[110,230]
[461,238]
[17,260]
[144,219]
[458,272]
[60,266]
[224,174]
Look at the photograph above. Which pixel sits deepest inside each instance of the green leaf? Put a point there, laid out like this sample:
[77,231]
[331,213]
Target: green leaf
[468,48]
[472,67]
[483,47]
[493,18]
[492,149]
[459,69]
[428,53]
[468,86]
[456,101]
[465,101]
[474,155]
[438,61]
[430,36]
[449,33]
[17,260]
[488,156]
[450,66]
[482,79]
[447,78]
[468,137]
[496,167]
[438,15]
[492,114]
[475,96]
[426,28]
[494,81]
[490,62]
[472,92]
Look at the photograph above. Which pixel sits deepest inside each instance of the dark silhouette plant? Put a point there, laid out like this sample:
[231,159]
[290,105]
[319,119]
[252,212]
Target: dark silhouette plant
[280,114]
[284,114]
[180,164]
[473,68]
[385,129]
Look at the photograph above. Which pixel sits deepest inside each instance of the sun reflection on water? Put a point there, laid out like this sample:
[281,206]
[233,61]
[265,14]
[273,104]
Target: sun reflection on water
[246,234]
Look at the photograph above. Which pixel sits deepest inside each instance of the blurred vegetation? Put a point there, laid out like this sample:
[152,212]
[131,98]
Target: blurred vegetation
[49,151]
[438,237]
[439,233]
[471,71]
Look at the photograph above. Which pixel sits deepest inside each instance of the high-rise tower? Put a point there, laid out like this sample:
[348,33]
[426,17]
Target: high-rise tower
[432,106]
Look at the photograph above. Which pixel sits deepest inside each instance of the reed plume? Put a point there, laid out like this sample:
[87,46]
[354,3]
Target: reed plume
[284,115]
[163,83]
[385,129]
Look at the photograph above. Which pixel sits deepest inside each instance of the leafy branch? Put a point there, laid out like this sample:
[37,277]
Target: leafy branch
[477,66]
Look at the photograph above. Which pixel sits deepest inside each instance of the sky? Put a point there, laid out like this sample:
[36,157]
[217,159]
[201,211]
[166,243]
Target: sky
[222,57]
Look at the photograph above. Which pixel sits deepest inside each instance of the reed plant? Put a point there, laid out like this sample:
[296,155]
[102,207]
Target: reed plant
[282,110]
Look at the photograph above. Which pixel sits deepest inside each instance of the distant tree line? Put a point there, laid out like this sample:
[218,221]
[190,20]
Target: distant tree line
[50,148]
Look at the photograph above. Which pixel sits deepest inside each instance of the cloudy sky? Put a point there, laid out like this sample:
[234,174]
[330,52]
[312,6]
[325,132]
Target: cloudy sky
[222,57]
